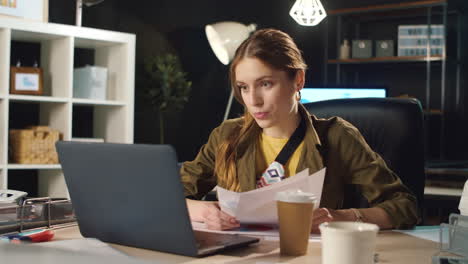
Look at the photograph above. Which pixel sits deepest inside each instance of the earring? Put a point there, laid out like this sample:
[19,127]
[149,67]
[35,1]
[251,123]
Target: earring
[298,96]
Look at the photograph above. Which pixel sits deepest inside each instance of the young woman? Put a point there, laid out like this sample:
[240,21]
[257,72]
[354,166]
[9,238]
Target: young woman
[267,74]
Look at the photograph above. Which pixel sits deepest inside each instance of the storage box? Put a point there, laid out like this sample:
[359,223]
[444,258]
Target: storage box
[384,48]
[35,145]
[413,40]
[90,82]
[362,49]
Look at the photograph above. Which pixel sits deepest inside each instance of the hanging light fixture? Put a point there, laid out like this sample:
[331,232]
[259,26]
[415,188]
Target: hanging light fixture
[308,12]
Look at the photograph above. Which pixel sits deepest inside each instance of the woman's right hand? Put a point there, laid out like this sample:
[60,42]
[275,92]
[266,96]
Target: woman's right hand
[211,215]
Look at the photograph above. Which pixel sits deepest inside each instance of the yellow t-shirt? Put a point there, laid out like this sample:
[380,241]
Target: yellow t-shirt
[269,148]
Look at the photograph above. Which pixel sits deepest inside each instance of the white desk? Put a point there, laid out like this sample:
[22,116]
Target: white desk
[392,247]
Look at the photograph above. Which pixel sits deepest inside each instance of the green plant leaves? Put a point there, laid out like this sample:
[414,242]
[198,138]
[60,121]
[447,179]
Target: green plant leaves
[167,87]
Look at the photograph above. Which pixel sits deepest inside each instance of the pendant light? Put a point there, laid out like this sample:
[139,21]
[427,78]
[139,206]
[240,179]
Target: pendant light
[308,12]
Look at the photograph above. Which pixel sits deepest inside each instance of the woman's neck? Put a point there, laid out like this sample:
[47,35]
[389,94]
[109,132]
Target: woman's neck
[286,128]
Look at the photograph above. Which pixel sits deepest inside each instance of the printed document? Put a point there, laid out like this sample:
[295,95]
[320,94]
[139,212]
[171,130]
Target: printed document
[259,206]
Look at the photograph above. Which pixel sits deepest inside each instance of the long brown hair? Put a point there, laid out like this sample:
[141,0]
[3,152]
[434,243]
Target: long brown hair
[278,50]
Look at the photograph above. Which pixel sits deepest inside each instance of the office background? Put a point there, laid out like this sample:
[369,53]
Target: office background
[178,26]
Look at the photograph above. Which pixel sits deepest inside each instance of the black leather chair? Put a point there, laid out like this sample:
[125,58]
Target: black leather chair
[393,127]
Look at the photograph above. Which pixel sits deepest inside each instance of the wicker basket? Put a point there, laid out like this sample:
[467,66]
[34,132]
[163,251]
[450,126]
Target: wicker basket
[35,145]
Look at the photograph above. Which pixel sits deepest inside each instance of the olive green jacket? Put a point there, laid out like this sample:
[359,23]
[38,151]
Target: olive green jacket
[349,160]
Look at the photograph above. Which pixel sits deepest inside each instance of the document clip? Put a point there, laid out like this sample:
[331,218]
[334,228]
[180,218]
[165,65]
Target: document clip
[36,213]
[453,236]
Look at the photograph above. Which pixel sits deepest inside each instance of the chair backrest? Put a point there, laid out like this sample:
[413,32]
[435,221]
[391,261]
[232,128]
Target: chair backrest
[393,127]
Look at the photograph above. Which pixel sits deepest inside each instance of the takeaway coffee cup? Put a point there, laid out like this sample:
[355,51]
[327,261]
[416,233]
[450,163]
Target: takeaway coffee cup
[295,209]
[348,242]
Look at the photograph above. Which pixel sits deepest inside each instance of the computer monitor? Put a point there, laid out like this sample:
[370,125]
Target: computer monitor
[309,95]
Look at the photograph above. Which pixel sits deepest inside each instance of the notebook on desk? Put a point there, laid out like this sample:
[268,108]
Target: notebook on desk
[131,194]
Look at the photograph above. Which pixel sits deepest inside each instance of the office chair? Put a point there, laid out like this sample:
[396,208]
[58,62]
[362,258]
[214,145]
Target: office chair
[393,127]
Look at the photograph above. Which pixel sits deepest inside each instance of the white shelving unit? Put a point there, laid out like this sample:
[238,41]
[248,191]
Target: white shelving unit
[112,118]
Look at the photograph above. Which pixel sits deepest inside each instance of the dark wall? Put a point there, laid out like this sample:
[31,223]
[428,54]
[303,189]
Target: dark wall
[178,26]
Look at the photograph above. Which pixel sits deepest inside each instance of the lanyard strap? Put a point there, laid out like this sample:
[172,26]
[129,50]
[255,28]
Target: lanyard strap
[292,144]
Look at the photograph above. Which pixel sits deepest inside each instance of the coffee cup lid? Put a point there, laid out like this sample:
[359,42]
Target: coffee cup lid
[295,196]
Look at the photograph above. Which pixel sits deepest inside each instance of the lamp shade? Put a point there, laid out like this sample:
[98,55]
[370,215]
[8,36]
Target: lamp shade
[226,37]
[308,12]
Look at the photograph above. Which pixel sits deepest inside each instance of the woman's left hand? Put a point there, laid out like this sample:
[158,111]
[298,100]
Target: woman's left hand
[322,215]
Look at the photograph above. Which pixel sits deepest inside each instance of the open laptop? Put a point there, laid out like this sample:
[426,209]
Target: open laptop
[131,194]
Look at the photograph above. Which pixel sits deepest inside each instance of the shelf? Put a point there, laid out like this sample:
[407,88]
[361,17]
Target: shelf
[97,102]
[433,112]
[30,31]
[89,140]
[28,36]
[442,191]
[93,43]
[57,49]
[369,17]
[447,171]
[34,98]
[435,80]
[34,166]
[388,7]
[394,59]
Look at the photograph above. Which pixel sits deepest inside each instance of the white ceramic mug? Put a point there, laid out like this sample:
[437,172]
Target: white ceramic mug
[348,242]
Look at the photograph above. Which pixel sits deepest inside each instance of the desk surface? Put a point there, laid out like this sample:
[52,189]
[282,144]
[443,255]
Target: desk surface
[392,247]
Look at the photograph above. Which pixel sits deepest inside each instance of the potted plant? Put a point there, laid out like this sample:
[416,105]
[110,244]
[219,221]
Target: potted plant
[167,87]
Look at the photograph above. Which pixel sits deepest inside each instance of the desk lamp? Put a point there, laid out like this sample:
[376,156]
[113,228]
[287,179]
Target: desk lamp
[79,8]
[224,39]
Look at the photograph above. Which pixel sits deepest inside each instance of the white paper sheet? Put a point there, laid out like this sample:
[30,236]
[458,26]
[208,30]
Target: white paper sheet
[259,206]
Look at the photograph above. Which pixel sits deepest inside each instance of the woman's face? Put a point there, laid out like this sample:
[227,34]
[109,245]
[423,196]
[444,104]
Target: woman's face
[268,94]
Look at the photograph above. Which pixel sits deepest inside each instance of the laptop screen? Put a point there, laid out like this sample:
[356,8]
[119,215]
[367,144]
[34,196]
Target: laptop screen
[309,95]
